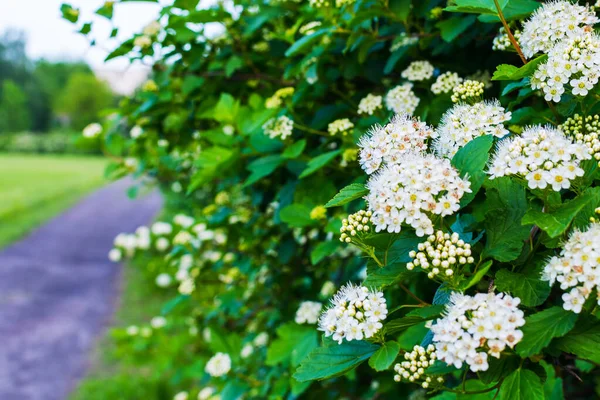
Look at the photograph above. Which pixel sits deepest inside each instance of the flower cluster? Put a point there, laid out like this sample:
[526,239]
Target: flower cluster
[340,127]
[402,100]
[554,21]
[463,123]
[442,253]
[403,40]
[370,104]
[446,82]
[418,71]
[275,100]
[585,132]
[414,365]
[502,41]
[218,365]
[573,62]
[280,127]
[410,193]
[355,224]
[308,312]
[136,132]
[468,91]
[577,268]
[92,130]
[142,41]
[386,144]
[355,314]
[475,326]
[543,156]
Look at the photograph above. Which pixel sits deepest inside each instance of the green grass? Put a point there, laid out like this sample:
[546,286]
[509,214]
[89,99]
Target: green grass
[111,377]
[35,188]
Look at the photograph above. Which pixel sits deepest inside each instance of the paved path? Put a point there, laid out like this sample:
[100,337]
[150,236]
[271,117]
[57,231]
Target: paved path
[58,291]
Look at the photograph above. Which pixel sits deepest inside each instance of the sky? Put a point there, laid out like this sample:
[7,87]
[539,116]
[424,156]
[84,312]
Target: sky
[49,36]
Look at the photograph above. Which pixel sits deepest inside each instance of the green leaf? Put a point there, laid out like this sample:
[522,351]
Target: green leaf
[262,167]
[319,162]
[305,42]
[451,28]
[556,222]
[226,109]
[505,234]
[529,287]
[470,161]
[293,344]
[296,215]
[515,9]
[346,195]
[385,356]
[294,150]
[505,72]
[583,341]
[191,83]
[475,6]
[413,318]
[106,10]
[380,277]
[123,49]
[540,328]
[499,368]
[335,360]
[478,276]
[322,250]
[69,13]
[86,28]
[401,8]
[233,64]
[522,384]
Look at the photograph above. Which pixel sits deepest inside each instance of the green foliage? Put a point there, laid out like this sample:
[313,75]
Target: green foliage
[14,115]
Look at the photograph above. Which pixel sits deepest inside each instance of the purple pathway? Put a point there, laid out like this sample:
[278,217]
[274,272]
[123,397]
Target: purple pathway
[58,291]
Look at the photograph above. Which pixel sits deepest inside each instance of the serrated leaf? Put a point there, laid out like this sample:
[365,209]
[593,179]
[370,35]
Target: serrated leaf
[414,317]
[522,384]
[540,328]
[294,150]
[452,27]
[262,167]
[478,276]
[294,342]
[470,161]
[335,360]
[296,215]
[380,277]
[475,6]
[506,72]
[319,162]
[385,356]
[346,195]
[529,288]
[322,250]
[583,341]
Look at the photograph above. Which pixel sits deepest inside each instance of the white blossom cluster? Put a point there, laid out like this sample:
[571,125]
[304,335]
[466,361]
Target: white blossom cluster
[414,365]
[585,132]
[403,40]
[402,99]
[464,122]
[468,90]
[340,127]
[475,326]
[354,224]
[445,82]
[577,269]
[441,254]
[418,71]
[502,41]
[542,155]
[553,22]
[370,104]
[385,145]
[92,130]
[355,314]
[411,193]
[572,64]
[208,393]
[308,312]
[218,365]
[280,127]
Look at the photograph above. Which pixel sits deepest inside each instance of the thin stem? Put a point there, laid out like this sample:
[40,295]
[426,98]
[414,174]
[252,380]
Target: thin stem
[411,294]
[509,33]
[310,130]
[496,386]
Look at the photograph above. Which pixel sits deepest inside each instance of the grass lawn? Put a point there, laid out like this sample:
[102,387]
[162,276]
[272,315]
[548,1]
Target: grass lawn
[35,188]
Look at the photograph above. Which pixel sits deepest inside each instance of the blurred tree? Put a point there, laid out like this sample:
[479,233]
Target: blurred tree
[83,98]
[14,111]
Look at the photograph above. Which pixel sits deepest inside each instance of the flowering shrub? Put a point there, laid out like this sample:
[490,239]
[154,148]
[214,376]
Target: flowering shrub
[361,148]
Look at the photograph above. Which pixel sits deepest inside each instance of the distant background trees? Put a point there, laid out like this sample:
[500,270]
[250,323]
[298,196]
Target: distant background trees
[39,95]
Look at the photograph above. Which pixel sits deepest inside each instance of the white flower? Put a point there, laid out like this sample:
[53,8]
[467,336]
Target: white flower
[554,21]
[281,127]
[152,29]
[187,286]
[142,41]
[158,322]
[247,350]
[228,130]
[163,280]
[185,221]
[446,82]
[136,132]
[577,269]
[402,100]
[463,123]
[162,244]
[418,71]
[543,156]
[411,192]
[161,228]
[205,393]
[386,145]
[468,90]
[92,130]
[181,396]
[132,330]
[502,41]
[370,104]
[261,339]
[340,127]
[218,365]
[308,312]
[475,326]
[355,313]
[115,255]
